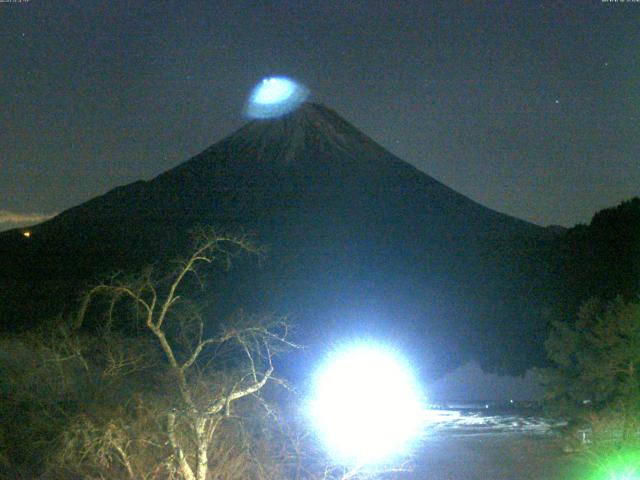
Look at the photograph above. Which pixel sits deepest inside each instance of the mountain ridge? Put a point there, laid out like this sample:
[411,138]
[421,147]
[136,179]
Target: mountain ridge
[350,227]
[246,144]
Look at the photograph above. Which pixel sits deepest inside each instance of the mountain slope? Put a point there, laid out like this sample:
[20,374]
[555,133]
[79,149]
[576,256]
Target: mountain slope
[358,241]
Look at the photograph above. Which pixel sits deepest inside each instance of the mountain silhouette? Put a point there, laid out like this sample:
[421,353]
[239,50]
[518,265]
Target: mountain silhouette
[359,243]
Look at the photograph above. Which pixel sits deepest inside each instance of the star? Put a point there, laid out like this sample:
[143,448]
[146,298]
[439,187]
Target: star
[557,101]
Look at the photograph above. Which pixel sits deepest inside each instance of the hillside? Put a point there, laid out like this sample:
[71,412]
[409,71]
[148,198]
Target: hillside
[358,241]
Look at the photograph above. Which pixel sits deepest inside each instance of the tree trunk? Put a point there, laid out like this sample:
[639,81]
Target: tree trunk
[202,446]
[627,429]
[183,465]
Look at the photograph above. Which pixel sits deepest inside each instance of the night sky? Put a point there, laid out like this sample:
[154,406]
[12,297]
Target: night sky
[530,108]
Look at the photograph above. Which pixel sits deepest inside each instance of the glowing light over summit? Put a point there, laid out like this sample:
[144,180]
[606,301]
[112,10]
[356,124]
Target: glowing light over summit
[274,90]
[274,97]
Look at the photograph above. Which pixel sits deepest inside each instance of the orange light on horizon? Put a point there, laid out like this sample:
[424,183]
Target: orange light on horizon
[26,234]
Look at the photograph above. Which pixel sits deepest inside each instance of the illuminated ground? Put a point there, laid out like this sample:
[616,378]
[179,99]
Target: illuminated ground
[494,457]
[473,446]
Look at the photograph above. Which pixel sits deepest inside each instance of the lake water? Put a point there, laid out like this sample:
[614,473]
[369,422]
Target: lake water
[487,419]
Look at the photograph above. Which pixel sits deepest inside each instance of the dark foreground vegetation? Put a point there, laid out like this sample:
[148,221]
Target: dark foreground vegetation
[595,384]
[594,345]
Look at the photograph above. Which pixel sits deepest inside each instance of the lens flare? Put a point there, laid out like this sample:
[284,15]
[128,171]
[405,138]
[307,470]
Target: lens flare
[274,97]
[609,463]
[366,405]
[623,465]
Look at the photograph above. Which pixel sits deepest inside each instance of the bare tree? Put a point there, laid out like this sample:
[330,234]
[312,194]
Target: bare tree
[210,374]
[172,400]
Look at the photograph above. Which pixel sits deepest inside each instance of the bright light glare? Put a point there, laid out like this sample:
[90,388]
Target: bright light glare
[366,405]
[274,90]
[612,463]
[275,96]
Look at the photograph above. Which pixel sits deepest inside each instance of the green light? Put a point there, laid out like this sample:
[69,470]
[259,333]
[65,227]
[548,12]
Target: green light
[615,464]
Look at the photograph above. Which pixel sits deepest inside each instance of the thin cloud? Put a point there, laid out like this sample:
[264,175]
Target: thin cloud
[14,219]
